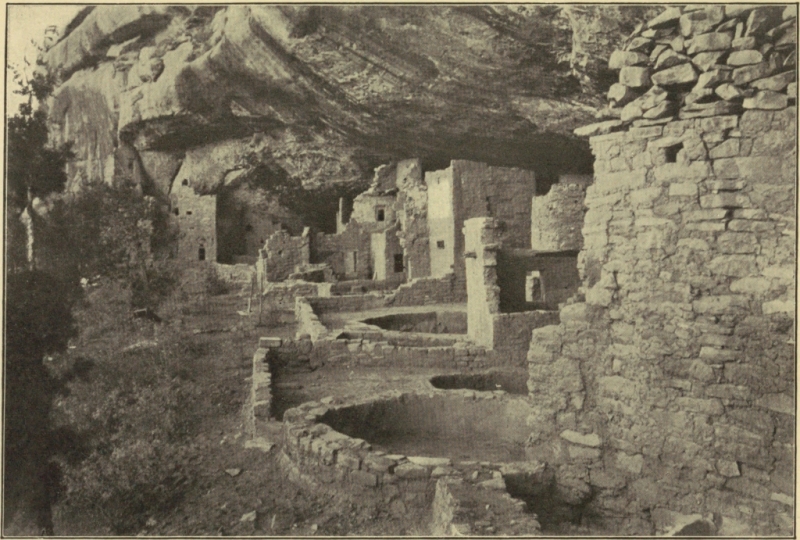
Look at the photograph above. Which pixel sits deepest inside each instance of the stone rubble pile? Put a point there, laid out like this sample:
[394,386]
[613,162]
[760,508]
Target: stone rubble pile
[701,61]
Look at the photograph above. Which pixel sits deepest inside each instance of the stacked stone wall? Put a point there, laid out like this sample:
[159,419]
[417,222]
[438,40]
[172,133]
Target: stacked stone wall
[334,249]
[425,291]
[412,199]
[305,352]
[283,253]
[282,295]
[557,218]
[670,391]
[197,221]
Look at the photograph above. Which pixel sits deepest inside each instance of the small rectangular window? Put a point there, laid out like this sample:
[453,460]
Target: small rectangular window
[534,291]
[380,214]
[201,254]
[398,262]
[188,212]
[440,244]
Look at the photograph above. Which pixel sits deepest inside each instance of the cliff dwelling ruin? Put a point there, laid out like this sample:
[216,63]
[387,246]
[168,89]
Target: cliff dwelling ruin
[566,307]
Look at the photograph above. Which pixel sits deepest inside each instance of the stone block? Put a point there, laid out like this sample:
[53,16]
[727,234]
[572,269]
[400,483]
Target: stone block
[746,74]
[724,200]
[619,181]
[751,285]
[364,478]
[671,172]
[683,189]
[666,18]
[583,453]
[707,61]
[733,265]
[620,59]
[679,74]
[634,76]
[728,468]
[599,128]
[616,386]
[711,41]
[718,123]
[776,83]
[700,21]
[728,391]
[591,439]
[767,100]
[711,407]
[780,403]
[669,58]
[744,57]
[409,471]
[747,487]
[630,463]
[726,149]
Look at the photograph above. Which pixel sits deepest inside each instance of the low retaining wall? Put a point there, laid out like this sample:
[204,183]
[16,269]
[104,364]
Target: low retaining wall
[428,290]
[282,295]
[357,302]
[331,460]
[512,332]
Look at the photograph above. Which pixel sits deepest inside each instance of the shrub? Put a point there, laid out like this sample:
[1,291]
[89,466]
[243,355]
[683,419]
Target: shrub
[133,417]
[215,285]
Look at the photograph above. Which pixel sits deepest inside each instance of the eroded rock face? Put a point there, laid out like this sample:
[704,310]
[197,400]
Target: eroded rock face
[337,89]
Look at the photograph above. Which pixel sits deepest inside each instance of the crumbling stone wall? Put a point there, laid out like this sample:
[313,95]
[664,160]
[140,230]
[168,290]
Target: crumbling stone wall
[669,392]
[367,208]
[197,221]
[282,253]
[505,333]
[468,190]
[412,203]
[348,253]
[557,218]
[422,291]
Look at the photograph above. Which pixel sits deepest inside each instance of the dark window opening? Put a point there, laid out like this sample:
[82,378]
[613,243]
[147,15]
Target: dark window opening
[130,165]
[398,262]
[188,212]
[380,214]
[185,182]
[248,228]
[440,244]
[671,152]
[201,254]
[177,211]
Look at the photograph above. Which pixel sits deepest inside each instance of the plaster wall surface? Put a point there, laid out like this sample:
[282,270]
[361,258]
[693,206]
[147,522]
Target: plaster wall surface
[441,221]
[483,295]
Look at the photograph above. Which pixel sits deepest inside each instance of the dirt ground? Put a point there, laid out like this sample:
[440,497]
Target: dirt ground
[243,491]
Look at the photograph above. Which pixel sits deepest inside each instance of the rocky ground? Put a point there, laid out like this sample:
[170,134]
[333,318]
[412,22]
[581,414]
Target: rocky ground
[238,490]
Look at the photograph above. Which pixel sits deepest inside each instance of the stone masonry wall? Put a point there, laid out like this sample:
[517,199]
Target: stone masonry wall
[507,334]
[283,253]
[197,222]
[669,392]
[430,290]
[337,251]
[412,199]
[557,218]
